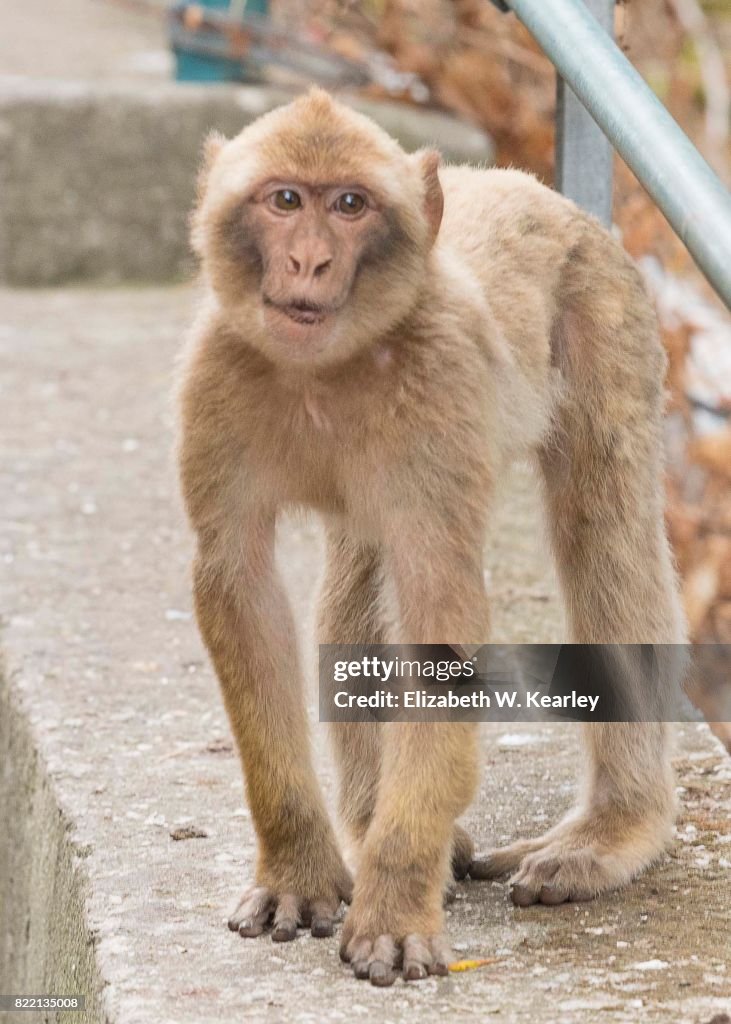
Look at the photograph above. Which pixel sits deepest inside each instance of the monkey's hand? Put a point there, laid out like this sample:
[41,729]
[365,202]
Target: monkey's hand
[306,893]
[389,928]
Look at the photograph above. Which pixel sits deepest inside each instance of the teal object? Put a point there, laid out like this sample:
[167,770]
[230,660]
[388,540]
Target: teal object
[198,67]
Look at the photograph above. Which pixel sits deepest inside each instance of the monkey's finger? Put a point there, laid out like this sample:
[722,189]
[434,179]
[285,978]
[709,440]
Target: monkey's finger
[383,960]
[286,918]
[442,956]
[417,958]
[358,952]
[252,913]
[322,919]
[492,865]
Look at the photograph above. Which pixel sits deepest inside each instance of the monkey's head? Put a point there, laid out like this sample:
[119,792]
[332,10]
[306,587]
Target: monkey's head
[314,229]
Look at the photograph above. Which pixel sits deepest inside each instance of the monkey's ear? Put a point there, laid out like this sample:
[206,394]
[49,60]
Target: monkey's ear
[212,146]
[429,160]
[214,143]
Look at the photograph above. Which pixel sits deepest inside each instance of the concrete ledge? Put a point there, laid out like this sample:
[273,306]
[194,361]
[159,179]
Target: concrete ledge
[45,944]
[96,181]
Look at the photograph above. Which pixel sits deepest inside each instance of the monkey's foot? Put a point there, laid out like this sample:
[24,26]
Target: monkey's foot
[262,908]
[379,959]
[577,860]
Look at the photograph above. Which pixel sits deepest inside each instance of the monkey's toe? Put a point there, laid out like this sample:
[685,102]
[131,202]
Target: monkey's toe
[503,861]
[560,874]
[491,866]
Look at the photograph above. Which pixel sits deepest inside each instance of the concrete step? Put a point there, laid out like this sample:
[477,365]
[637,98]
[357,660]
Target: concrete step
[97,178]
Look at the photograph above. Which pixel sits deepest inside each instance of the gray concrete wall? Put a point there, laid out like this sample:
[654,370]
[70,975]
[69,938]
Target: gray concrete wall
[45,944]
[96,181]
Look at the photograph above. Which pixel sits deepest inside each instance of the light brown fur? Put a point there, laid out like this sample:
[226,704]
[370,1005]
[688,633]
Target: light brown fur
[515,327]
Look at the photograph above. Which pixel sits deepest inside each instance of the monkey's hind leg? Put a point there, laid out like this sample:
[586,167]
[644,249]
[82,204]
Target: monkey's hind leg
[604,493]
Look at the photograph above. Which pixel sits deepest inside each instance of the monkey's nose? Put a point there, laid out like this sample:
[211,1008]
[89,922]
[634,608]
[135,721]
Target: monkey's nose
[308,266]
[321,268]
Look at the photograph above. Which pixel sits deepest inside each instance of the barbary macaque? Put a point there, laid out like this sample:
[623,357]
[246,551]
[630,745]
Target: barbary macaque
[379,338]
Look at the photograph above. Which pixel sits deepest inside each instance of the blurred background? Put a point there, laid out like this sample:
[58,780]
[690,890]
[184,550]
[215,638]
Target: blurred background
[459,57]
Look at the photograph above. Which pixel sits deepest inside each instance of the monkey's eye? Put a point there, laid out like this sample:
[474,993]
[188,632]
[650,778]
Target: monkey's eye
[287,200]
[350,203]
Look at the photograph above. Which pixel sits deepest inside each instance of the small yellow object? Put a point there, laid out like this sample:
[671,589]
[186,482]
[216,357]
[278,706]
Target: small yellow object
[471,965]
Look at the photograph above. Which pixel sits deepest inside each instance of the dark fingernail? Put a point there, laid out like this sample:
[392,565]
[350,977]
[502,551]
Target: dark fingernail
[438,968]
[550,895]
[360,969]
[250,930]
[522,896]
[381,975]
[414,972]
[284,932]
[322,927]
[233,924]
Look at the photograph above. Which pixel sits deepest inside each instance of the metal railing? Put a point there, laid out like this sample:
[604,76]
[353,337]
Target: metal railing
[597,78]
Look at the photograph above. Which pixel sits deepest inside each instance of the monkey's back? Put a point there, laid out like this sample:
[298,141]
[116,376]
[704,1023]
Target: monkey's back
[534,254]
[508,228]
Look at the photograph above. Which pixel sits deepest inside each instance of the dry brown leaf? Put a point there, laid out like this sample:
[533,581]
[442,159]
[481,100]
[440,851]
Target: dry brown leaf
[702,583]
[714,453]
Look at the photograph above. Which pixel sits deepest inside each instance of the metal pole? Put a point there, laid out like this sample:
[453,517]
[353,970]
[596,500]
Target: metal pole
[584,154]
[682,184]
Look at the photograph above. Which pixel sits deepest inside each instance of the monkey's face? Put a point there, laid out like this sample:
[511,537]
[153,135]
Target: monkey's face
[310,241]
[314,228]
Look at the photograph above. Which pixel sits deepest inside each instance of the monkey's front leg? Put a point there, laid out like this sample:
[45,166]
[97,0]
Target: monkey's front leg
[428,776]
[396,919]
[246,624]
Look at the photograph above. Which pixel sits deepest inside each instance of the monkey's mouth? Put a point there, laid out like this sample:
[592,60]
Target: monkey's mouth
[308,313]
